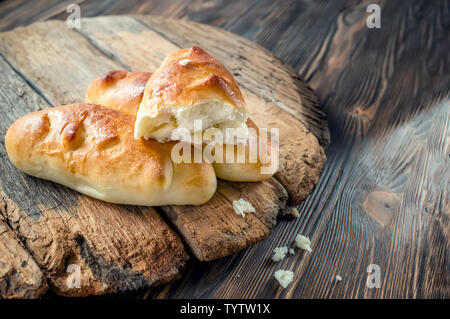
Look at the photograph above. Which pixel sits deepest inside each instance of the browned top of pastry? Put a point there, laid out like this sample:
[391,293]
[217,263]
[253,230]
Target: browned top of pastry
[120,90]
[189,76]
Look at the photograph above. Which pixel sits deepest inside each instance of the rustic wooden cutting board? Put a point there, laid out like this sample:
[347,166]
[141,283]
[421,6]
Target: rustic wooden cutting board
[48,227]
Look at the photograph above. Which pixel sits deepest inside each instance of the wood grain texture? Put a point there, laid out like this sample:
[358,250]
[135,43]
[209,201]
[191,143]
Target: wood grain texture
[20,276]
[214,230]
[13,13]
[385,93]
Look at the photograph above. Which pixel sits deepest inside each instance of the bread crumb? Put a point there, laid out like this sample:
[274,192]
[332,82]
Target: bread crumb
[284,277]
[303,243]
[338,278]
[184,62]
[279,253]
[292,251]
[241,207]
[294,212]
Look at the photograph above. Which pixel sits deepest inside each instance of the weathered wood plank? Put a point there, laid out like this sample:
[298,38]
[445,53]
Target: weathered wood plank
[54,59]
[115,248]
[20,276]
[214,230]
[16,281]
[383,144]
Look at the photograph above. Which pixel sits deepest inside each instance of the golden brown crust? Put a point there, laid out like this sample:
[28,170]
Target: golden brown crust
[190,75]
[120,90]
[247,171]
[92,149]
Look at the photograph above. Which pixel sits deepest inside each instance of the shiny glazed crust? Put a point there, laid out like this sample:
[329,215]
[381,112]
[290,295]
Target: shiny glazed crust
[91,149]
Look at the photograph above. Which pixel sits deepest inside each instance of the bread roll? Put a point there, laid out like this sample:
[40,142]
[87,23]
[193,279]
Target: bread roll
[112,91]
[191,85]
[91,149]
[249,170]
[120,90]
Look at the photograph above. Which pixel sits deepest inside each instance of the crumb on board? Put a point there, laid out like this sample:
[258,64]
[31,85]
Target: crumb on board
[279,253]
[292,251]
[241,207]
[303,242]
[338,278]
[294,212]
[284,277]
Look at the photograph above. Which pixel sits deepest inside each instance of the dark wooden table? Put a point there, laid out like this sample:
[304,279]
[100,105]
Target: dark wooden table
[384,195]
